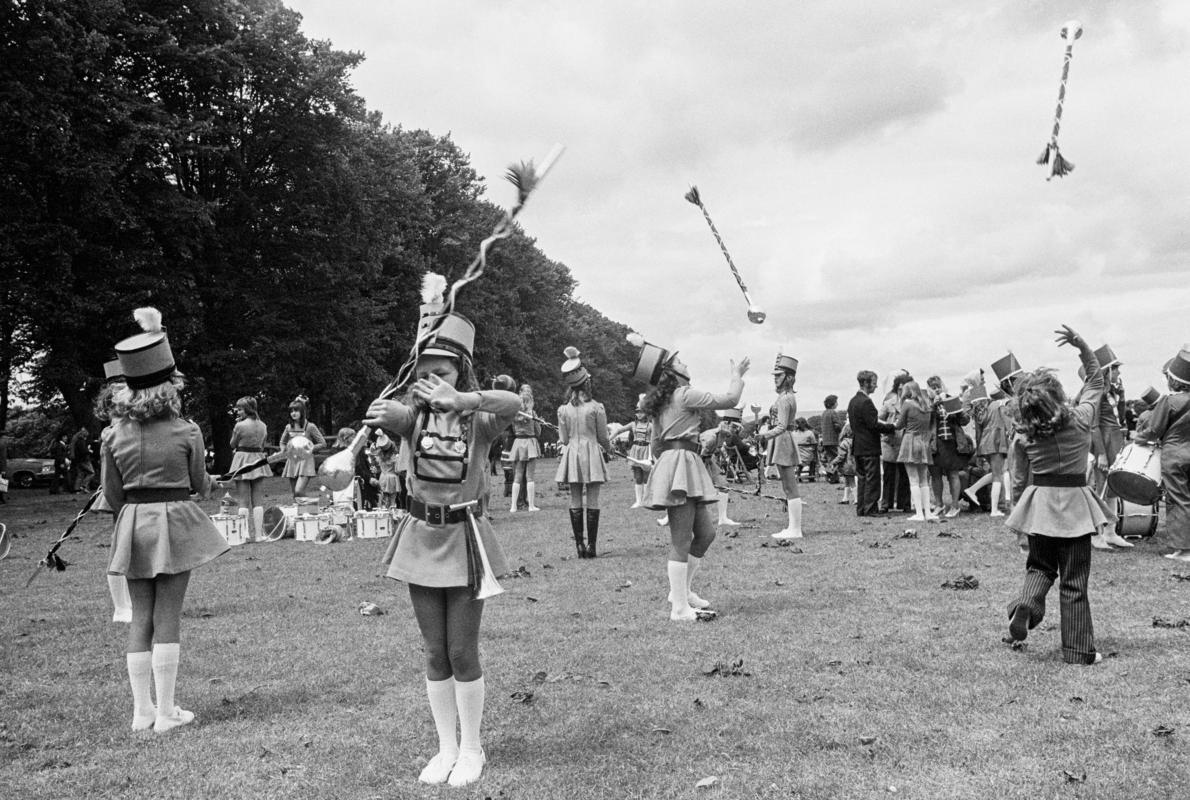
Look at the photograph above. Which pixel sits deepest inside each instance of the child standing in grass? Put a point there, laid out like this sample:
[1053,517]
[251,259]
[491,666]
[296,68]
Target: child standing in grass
[844,464]
[447,426]
[152,460]
[1055,509]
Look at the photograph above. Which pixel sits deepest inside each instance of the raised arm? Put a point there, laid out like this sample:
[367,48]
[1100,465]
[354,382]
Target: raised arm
[695,398]
[1092,391]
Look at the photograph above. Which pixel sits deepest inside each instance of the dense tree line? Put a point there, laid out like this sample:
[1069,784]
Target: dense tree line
[207,158]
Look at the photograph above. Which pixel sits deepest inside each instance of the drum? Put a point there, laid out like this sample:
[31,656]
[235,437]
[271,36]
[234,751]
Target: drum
[306,505]
[1136,521]
[233,527]
[307,526]
[341,514]
[373,524]
[279,522]
[1136,474]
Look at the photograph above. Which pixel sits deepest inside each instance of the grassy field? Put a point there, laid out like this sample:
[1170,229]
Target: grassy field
[837,668]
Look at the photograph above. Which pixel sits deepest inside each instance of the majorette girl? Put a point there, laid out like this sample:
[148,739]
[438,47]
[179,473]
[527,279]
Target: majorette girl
[679,482]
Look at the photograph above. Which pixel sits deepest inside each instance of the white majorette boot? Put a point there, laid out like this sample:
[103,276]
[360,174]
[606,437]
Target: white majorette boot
[516,493]
[692,565]
[531,495]
[794,531]
[680,610]
[997,487]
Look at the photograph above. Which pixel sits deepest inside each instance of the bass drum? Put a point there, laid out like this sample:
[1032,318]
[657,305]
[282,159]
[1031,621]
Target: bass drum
[1136,521]
[279,522]
[1136,474]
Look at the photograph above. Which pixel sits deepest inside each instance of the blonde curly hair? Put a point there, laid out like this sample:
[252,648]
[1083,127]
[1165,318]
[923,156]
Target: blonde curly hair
[163,401]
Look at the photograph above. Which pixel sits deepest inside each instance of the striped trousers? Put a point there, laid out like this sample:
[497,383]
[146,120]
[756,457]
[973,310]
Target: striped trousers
[1069,561]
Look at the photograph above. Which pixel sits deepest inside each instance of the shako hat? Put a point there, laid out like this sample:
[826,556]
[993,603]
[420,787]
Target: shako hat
[652,361]
[112,371]
[440,333]
[1178,367]
[997,394]
[978,394]
[732,414]
[573,371]
[504,383]
[784,364]
[1150,396]
[1106,357]
[145,358]
[1006,367]
[952,404]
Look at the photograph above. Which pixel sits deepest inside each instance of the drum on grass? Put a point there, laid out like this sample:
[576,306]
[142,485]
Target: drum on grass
[1136,475]
[306,505]
[233,527]
[1136,521]
[373,524]
[307,526]
[279,522]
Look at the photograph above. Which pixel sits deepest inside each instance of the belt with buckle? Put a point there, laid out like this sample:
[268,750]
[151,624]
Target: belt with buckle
[437,515]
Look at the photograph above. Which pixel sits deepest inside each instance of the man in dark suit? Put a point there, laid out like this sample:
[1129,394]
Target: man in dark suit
[865,444]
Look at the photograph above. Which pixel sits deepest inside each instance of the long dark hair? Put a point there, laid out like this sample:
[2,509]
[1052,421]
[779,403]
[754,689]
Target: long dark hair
[299,406]
[659,395]
[580,393]
[1042,409]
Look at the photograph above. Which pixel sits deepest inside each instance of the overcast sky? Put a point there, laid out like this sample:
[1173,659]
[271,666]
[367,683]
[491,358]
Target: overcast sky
[869,165]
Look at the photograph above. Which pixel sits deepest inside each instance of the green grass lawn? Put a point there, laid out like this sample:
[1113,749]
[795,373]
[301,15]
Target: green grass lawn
[861,676]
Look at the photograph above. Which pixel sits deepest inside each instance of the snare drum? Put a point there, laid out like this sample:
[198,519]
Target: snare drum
[279,522]
[1136,521]
[341,514]
[306,505]
[1136,475]
[233,527]
[373,524]
[307,526]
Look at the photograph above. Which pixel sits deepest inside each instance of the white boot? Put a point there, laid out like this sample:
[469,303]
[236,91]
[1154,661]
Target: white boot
[846,494]
[931,514]
[1099,542]
[915,500]
[723,520]
[996,489]
[516,493]
[531,495]
[258,523]
[1111,537]
[638,489]
[121,601]
[794,531]
[680,610]
[692,565]
[1008,487]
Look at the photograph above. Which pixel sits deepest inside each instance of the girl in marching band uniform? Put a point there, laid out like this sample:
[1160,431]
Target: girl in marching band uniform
[445,548]
[679,483]
[782,449]
[152,461]
[247,439]
[583,435]
[916,419]
[1055,508]
[641,431]
[105,411]
[1168,424]
[299,464]
[525,451]
[844,464]
[386,454]
[995,422]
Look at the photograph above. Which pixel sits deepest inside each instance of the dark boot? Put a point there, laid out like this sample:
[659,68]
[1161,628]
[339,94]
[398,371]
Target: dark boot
[592,531]
[576,525]
[508,483]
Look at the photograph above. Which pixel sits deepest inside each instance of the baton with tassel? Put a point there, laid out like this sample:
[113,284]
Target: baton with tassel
[337,471]
[52,559]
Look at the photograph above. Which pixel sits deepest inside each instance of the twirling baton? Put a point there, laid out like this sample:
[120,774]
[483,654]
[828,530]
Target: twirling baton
[52,559]
[755,313]
[536,418]
[1060,166]
[338,471]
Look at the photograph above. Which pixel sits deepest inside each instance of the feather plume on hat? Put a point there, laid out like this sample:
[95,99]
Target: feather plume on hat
[433,288]
[148,318]
[571,352]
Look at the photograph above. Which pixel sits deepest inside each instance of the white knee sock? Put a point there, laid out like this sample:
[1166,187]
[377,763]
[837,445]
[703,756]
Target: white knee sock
[915,501]
[469,696]
[531,492]
[445,712]
[258,523]
[165,675]
[117,585]
[692,565]
[795,516]
[516,493]
[996,486]
[638,489]
[678,591]
[140,676]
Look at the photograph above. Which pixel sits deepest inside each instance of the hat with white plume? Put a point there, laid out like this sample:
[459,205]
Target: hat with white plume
[573,371]
[146,359]
[652,361]
[438,333]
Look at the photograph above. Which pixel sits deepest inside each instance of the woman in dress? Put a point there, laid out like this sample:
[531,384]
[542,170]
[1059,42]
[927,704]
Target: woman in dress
[389,484]
[152,461]
[301,439]
[952,450]
[247,440]
[1168,425]
[525,452]
[583,435]
[782,451]
[446,425]
[995,420]
[679,483]
[1055,509]
[895,482]
[915,420]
